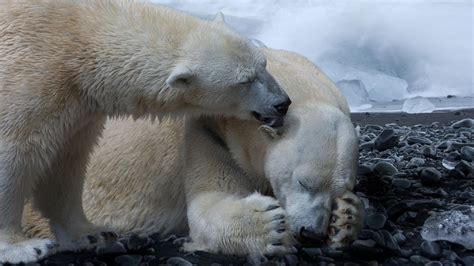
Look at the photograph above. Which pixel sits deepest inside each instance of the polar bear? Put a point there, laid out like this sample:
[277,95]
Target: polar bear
[234,188]
[65,65]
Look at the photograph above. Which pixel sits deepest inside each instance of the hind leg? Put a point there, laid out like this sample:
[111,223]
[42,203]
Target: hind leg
[59,196]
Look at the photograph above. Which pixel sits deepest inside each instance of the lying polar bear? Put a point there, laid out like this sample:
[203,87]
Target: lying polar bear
[236,189]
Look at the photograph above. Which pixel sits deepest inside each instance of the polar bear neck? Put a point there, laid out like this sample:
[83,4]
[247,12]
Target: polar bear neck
[130,52]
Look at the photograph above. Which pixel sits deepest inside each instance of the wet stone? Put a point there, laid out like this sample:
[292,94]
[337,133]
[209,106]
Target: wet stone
[313,252]
[177,261]
[395,261]
[467,153]
[400,238]
[386,140]
[113,248]
[419,259]
[467,123]
[365,169]
[430,177]
[434,263]
[385,168]
[136,242]
[428,152]
[401,183]
[430,249]
[128,260]
[468,260]
[365,243]
[418,140]
[456,174]
[464,167]
[375,221]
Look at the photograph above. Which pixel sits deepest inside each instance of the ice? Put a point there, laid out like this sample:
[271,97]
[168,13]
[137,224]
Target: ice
[454,226]
[396,49]
[356,95]
[418,105]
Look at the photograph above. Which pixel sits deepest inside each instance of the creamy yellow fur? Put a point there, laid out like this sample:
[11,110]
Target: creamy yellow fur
[224,179]
[65,65]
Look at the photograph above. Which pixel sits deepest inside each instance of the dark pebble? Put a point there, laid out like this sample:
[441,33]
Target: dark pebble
[136,242]
[177,261]
[365,169]
[365,243]
[418,140]
[467,123]
[386,140]
[113,248]
[419,259]
[376,220]
[456,174]
[395,261]
[430,249]
[385,168]
[313,252]
[401,183]
[366,146]
[428,151]
[434,263]
[464,167]
[430,177]
[128,260]
[467,153]
[400,238]
[397,209]
[468,260]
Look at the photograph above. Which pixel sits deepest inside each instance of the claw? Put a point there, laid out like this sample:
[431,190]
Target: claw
[278,217]
[272,207]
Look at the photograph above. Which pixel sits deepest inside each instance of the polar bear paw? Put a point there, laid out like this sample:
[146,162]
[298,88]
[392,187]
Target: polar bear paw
[346,221]
[268,226]
[84,238]
[29,250]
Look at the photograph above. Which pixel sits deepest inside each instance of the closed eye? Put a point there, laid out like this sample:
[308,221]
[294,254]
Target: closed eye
[304,185]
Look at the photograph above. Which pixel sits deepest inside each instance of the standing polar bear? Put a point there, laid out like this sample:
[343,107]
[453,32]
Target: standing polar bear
[67,64]
[234,188]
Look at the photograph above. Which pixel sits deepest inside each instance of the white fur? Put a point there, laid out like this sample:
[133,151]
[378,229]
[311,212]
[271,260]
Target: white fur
[65,65]
[230,185]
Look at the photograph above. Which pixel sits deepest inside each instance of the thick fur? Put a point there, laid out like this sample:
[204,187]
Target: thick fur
[233,187]
[65,65]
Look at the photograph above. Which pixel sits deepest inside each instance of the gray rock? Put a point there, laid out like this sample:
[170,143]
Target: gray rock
[468,260]
[136,242]
[430,249]
[419,259]
[418,140]
[401,183]
[313,252]
[400,238]
[112,248]
[434,263]
[365,243]
[177,261]
[417,161]
[128,260]
[428,152]
[430,177]
[385,168]
[366,146]
[375,220]
[365,169]
[467,153]
[467,123]
[464,167]
[386,140]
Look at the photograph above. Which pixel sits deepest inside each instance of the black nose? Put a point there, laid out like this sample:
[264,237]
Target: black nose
[309,235]
[282,108]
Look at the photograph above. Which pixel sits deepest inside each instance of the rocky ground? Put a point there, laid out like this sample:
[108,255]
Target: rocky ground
[408,171]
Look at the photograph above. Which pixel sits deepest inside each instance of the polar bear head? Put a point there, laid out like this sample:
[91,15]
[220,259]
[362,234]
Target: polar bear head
[311,164]
[224,73]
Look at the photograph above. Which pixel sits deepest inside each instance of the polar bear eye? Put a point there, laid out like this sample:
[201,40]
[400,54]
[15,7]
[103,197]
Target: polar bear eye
[303,185]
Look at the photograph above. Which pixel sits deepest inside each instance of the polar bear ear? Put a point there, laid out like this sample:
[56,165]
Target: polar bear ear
[219,17]
[180,77]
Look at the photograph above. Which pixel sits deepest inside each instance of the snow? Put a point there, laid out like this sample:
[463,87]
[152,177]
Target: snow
[453,226]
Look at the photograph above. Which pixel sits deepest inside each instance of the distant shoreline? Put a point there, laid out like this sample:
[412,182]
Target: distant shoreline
[406,119]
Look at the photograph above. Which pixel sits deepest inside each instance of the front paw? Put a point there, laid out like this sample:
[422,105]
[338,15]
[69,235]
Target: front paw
[267,225]
[255,224]
[347,219]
